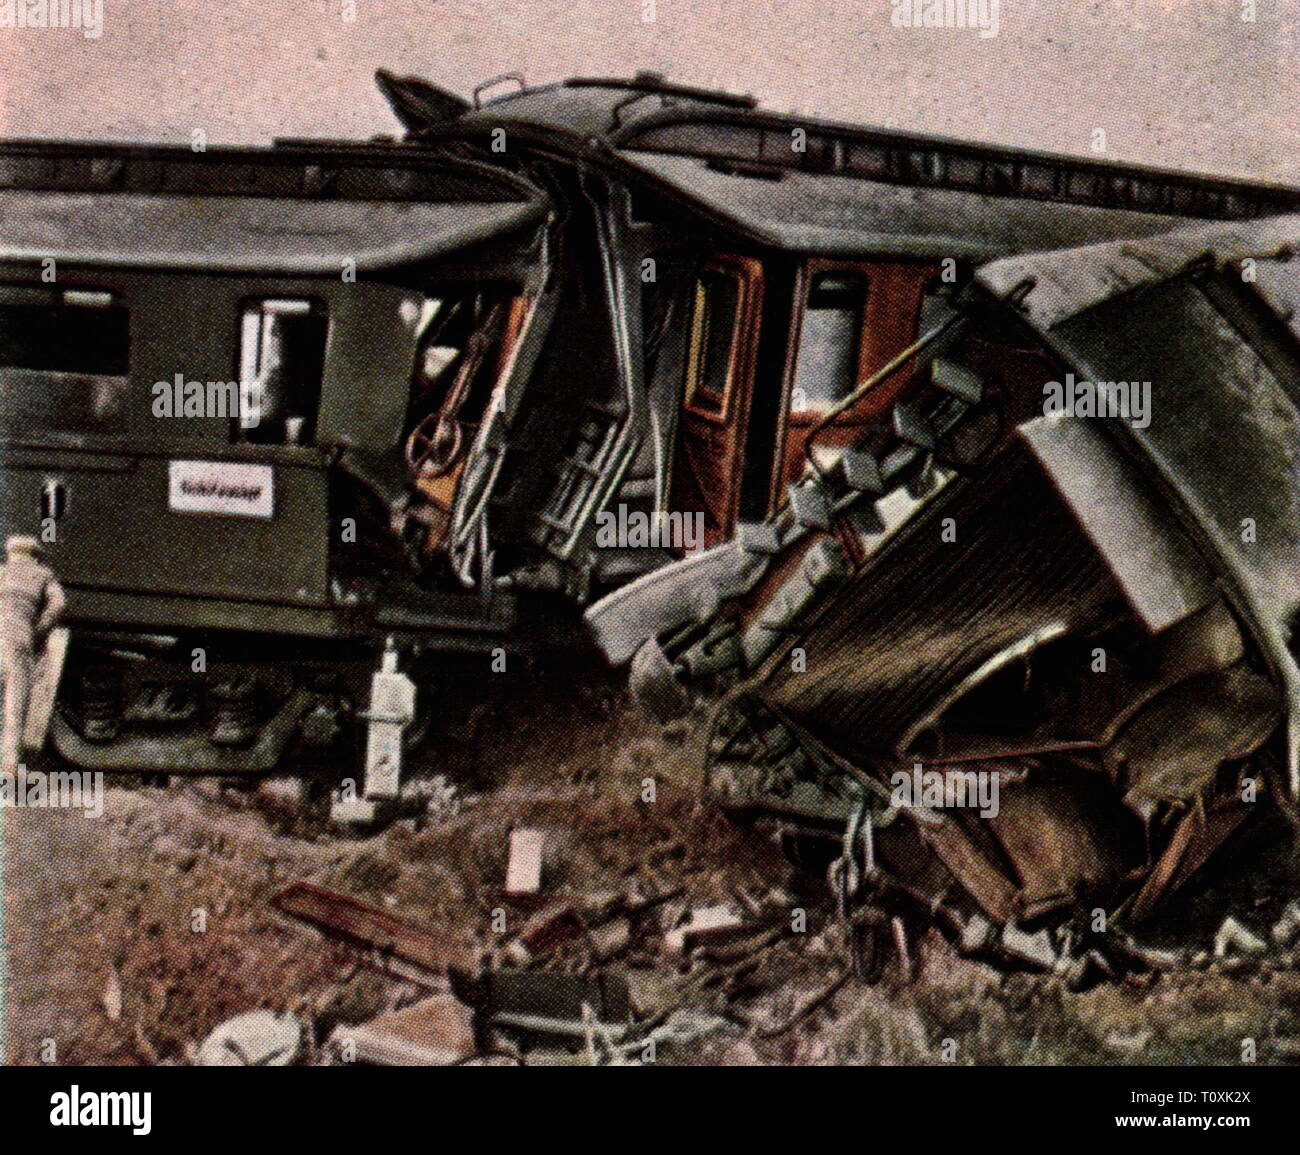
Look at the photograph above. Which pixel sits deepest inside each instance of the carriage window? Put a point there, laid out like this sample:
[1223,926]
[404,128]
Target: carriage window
[715,312]
[63,360]
[830,339]
[281,363]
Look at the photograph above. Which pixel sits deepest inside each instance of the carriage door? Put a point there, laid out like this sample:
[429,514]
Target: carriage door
[850,320]
[724,304]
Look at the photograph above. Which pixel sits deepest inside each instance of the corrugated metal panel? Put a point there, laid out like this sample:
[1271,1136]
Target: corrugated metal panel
[928,612]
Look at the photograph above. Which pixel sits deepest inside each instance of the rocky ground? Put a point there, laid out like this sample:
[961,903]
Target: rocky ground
[106,966]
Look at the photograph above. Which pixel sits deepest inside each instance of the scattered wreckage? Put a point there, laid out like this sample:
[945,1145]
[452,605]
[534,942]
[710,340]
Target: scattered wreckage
[614,297]
[643,972]
[467,1012]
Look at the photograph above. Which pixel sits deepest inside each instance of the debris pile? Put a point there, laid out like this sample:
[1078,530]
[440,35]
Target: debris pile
[644,973]
[557,917]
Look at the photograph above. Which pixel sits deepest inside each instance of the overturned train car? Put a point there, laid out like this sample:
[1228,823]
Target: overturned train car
[1030,639]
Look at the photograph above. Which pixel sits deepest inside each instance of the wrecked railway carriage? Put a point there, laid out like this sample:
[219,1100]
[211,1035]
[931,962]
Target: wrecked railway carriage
[631,298]
[1047,657]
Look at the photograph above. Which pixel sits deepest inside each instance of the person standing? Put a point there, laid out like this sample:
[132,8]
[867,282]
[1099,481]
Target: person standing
[31,603]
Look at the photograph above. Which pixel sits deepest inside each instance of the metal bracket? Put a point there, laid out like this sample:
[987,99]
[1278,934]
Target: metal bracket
[493,81]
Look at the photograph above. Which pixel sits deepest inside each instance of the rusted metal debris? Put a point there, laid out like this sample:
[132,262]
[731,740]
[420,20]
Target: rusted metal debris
[550,927]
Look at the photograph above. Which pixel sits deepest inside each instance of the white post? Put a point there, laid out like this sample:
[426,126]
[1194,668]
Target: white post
[392,707]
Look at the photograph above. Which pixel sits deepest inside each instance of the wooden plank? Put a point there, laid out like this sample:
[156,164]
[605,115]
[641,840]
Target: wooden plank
[386,941]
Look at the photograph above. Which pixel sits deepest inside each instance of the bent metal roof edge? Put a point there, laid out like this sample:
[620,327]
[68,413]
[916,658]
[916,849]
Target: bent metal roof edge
[1069,282]
[612,115]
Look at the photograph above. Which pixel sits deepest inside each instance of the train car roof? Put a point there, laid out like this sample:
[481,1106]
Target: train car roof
[837,215]
[815,185]
[295,210]
[1063,285]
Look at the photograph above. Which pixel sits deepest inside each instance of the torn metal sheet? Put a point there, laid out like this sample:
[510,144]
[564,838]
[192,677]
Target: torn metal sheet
[689,591]
[1070,282]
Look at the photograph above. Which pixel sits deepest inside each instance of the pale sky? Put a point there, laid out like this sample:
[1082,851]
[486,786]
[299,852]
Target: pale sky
[1184,83]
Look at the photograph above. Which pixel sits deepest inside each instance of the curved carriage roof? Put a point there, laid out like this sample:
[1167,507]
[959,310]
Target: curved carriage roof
[283,210]
[806,184]
[1205,319]
[826,214]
